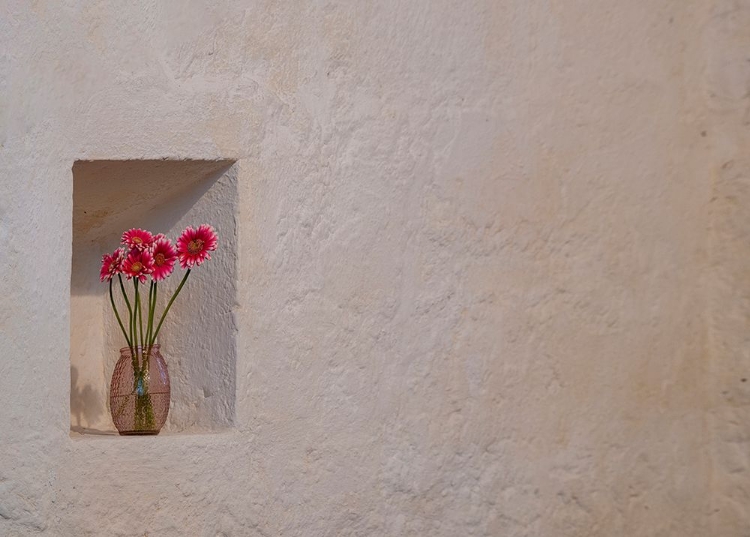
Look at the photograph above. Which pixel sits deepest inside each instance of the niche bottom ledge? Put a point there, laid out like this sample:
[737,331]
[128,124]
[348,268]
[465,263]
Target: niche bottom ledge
[94,434]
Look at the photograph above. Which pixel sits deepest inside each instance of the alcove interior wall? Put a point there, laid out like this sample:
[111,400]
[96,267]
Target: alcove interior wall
[198,338]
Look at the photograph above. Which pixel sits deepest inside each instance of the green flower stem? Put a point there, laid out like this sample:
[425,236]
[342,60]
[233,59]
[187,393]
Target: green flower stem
[117,314]
[169,305]
[139,308]
[148,311]
[151,318]
[153,308]
[135,316]
[130,315]
[131,326]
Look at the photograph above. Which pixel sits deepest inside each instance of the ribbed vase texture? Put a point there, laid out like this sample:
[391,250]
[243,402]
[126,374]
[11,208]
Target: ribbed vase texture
[139,393]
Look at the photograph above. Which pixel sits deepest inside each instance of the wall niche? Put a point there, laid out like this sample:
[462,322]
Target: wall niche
[198,338]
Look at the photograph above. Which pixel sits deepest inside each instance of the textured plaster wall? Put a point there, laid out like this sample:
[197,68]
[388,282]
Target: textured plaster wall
[473,265]
[728,89]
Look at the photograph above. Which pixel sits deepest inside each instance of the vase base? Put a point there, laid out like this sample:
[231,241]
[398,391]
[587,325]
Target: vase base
[138,433]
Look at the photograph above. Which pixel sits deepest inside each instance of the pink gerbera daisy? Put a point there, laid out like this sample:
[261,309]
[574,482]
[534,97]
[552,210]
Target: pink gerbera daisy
[194,245]
[138,239]
[165,255]
[138,265]
[111,264]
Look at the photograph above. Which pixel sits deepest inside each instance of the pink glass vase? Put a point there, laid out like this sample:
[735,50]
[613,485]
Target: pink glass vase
[139,393]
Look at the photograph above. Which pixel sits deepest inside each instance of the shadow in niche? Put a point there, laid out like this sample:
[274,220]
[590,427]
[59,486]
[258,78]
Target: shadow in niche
[84,407]
[97,231]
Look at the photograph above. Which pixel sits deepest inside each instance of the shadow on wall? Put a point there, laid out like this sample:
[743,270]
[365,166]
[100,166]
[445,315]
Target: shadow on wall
[84,403]
[99,219]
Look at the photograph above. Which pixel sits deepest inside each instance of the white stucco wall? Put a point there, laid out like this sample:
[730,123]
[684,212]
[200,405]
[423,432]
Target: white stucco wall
[475,248]
[728,91]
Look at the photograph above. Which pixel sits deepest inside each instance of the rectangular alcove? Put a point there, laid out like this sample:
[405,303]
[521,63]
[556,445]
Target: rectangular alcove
[198,338]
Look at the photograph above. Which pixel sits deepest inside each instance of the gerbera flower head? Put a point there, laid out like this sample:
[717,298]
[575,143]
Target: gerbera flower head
[165,255]
[194,245]
[112,264]
[138,264]
[138,239]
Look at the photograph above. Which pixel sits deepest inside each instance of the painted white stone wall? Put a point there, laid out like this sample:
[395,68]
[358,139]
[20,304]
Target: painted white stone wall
[476,251]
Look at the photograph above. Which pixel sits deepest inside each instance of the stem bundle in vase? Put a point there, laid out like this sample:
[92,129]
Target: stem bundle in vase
[148,260]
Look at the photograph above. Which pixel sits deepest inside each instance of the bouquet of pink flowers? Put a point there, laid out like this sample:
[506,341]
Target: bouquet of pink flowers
[145,256]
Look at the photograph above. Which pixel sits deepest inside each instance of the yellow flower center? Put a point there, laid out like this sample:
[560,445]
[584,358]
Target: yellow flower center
[159,259]
[136,267]
[137,240]
[195,246]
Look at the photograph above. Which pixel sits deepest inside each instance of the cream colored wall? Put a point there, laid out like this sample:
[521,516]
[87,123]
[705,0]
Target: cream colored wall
[473,258]
[728,91]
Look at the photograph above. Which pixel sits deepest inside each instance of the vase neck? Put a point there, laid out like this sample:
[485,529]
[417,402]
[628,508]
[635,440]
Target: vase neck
[140,351]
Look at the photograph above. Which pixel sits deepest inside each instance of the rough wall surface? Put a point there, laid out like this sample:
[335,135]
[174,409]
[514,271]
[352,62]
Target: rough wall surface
[728,91]
[471,241]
